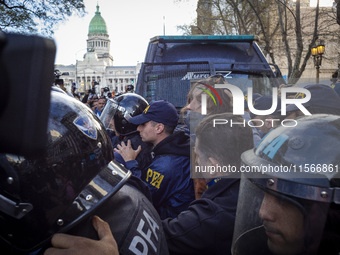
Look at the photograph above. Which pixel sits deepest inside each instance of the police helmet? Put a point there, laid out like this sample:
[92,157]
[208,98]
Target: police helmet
[291,183]
[118,111]
[54,191]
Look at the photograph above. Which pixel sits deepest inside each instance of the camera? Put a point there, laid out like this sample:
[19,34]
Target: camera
[25,99]
[92,91]
[130,88]
[57,75]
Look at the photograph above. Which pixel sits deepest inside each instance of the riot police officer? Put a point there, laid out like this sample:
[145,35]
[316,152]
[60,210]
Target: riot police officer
[289,196]
[76,177]
[115,118]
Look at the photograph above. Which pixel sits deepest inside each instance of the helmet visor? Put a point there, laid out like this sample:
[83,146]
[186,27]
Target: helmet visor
[270,222]
[107,116]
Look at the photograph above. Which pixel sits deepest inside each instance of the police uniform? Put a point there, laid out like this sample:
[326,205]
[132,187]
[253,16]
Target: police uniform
[168,176]
[207,226]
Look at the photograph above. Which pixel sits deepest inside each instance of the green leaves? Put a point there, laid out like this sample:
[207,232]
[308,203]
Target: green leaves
[37,16]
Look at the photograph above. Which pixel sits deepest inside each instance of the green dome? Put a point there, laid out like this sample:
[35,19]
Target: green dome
[97,24]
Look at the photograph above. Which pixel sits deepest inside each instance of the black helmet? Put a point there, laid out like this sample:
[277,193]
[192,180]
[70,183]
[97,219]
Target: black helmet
[52,192]
[120,110]
[130,88]
[289,186]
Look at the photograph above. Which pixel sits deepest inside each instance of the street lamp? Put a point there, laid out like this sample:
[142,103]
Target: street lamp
[317,52]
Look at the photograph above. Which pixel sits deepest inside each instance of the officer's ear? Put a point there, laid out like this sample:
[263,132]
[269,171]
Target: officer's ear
[160,128]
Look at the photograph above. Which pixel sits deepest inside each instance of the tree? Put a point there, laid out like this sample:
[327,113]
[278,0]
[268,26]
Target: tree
[301,28]
[37,16]
[287,29]
[235,17]
[292,31]
[337,11]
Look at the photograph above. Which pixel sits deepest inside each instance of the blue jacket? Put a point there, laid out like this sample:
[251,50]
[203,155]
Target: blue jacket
[168,176]
[207,226]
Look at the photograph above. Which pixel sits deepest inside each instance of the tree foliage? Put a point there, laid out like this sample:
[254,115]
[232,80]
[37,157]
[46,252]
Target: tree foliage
[287,29]
[37,16]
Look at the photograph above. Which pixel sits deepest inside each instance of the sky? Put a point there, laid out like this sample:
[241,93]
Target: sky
[322,3]
[130,25]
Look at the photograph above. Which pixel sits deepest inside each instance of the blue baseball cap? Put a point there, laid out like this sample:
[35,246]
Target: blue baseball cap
[265,103]
[321,95]
[255,96]
[159,111]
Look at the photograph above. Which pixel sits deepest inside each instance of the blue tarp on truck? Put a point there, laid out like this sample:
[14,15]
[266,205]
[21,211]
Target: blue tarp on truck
[172,62]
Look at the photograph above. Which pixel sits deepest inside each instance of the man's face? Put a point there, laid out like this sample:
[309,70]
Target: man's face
[101,104]
[294,114]
[259,123]
[283,223]
[147,132]
[264,123]
[95,104]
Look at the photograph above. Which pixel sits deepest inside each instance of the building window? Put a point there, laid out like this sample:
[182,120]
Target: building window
[126,72]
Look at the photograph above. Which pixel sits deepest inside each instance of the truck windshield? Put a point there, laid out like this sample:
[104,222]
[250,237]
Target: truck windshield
[174,86]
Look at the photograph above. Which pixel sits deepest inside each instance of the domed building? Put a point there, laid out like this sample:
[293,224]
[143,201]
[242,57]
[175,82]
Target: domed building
[98,39]
[97,64]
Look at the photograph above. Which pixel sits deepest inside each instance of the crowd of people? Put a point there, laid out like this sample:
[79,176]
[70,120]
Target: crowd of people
[187,193]
[90,97]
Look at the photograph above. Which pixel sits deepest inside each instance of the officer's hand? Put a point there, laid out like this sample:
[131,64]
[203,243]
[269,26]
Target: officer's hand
[127,152]
[64,244]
